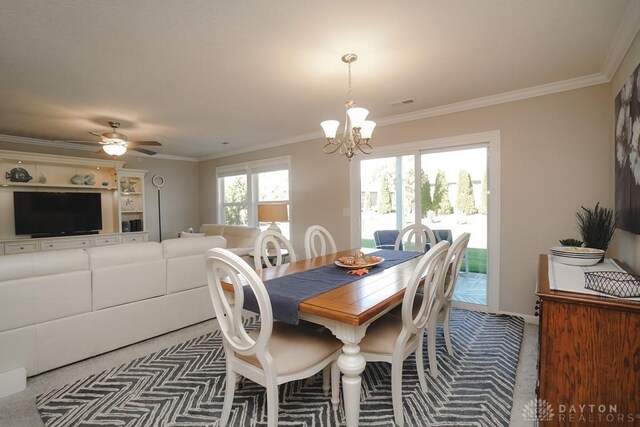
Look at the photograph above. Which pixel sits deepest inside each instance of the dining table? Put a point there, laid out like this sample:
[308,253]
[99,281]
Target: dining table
[347,309]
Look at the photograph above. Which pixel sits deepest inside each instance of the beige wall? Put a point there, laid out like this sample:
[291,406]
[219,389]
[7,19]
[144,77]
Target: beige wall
[625,245]
[556,155]
[179,197]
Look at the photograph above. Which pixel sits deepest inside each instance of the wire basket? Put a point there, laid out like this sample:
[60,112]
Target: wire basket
[616,283]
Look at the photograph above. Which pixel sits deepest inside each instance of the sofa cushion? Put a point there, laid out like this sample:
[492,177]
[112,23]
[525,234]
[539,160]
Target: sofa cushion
[240,236]
[126,253]
[212,229]
[43,286]
[125,273]
[173,248]
[186,261]
[20,266]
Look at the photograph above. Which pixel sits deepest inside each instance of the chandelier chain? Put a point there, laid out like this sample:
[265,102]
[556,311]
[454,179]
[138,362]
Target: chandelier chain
[349,93]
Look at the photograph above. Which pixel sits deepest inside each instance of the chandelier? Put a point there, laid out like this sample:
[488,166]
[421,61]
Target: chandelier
[357,131]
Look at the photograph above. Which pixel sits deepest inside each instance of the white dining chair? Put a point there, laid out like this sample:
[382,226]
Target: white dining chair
[274,354]
[415,237]
[392,339]
[268,250]
[318,242]
[444,296]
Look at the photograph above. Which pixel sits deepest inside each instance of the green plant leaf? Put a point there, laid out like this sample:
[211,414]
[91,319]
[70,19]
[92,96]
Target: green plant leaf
[596,226]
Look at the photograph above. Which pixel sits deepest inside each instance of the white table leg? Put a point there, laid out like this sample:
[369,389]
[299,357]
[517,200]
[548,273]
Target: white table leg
[351,364]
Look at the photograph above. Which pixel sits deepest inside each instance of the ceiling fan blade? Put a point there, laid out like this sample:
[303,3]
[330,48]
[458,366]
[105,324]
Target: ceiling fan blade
[96,134]
[81,142]
[143,150]
[135,143]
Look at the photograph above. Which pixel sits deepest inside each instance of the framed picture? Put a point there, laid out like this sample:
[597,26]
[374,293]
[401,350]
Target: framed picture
[627,159]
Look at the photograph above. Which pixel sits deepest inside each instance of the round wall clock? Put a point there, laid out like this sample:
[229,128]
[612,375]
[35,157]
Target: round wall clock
[158,181]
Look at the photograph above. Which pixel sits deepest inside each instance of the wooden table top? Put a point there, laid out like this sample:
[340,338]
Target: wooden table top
[357,302]
[544,291]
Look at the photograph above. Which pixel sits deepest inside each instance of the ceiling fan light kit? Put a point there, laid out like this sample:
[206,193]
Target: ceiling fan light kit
[357,130]
[114,149]
[116,144]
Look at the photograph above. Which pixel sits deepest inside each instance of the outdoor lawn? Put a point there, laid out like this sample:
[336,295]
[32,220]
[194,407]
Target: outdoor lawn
[476,257]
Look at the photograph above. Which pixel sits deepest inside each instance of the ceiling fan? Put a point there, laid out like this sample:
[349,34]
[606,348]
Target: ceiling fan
[116,144]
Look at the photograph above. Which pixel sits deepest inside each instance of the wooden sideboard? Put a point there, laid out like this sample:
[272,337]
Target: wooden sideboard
[589,359]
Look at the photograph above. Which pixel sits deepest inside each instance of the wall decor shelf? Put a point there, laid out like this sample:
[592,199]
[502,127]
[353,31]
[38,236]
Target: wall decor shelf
[131,205]
[45,185]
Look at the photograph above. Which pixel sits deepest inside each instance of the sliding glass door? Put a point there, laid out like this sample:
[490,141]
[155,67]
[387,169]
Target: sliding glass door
[446,189]
[455,200]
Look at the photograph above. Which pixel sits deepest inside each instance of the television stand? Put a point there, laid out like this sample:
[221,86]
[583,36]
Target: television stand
[26,244]
[69,234]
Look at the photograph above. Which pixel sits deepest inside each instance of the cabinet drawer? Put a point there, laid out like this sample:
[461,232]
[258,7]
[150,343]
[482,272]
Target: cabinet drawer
[65,244]
[134,238]
[17,248]
[104,241]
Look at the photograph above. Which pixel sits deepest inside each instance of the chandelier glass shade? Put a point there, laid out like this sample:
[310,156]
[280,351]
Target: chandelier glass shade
[357,130]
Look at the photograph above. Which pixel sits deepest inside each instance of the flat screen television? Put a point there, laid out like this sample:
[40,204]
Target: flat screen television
[56,214]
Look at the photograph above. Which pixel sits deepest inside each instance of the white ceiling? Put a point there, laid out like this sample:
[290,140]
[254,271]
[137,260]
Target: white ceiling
[193,74]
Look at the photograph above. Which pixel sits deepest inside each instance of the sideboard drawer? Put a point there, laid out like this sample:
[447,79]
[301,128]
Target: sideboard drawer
[18,248]
[64,244]
[104,241]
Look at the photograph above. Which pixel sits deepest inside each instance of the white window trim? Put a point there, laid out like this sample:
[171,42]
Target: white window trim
[490,139]
[250,169]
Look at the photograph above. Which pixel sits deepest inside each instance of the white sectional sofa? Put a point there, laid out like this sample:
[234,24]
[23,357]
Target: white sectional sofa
[62,306]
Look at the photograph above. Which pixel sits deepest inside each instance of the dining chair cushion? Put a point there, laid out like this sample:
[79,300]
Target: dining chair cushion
[294,348]
[381,335]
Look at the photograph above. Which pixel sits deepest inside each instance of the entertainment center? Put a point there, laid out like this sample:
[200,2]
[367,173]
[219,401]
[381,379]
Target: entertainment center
[86,202]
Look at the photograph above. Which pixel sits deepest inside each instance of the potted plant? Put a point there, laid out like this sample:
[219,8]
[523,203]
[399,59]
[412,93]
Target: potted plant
[596,226]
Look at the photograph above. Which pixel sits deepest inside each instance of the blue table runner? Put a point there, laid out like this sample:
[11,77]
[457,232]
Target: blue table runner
[287,292]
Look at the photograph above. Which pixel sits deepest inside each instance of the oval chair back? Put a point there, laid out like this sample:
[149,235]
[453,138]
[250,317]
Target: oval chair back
[318,242]
[455,255]
[430,269]
[268,250]
[415,237]
[224,266]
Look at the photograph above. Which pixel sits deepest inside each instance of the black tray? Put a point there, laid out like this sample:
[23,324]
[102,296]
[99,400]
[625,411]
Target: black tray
[616,283]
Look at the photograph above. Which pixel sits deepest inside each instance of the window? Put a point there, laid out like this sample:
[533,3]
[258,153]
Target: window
[242,187]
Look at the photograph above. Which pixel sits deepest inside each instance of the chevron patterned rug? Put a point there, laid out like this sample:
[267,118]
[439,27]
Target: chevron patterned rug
[183,386]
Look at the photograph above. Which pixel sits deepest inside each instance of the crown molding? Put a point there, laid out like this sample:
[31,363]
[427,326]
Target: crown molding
[625,35]
[71,146]
[167,157]
[471,104]
[266,145]
[501,98]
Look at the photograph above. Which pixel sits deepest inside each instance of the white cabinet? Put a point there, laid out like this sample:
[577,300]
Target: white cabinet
[131,206]
[133,237]
[20,247]
[8,247]
[53,245]
[105,241]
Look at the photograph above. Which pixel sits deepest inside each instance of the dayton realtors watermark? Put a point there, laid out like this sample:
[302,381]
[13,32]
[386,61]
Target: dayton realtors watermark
[588,413]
